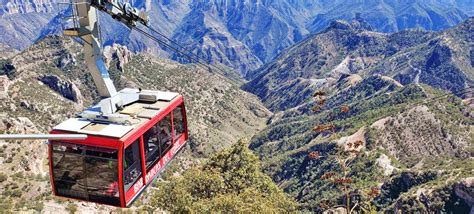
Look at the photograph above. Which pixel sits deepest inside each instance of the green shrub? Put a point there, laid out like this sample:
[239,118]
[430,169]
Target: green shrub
[16,193]
[72,208]
[230,182]
[3,177]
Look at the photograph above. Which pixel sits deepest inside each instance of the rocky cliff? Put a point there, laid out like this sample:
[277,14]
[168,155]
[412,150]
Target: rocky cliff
[10,7]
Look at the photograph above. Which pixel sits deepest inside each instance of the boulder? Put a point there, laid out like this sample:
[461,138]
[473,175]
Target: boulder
[65,60]
[19,125]
[465,190]
[66,89]
[119,53]
[4,83]
[25,104]
[338,210]
[385,163]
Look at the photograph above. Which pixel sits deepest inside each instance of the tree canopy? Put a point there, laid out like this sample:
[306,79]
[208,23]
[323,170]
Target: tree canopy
[231,181]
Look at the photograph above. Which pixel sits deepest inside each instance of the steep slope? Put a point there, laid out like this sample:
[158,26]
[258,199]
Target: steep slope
[399,134]
[442,60]
[211,40]
[445,61]
[348,85]
[22,20]
[45,84]
[259,24]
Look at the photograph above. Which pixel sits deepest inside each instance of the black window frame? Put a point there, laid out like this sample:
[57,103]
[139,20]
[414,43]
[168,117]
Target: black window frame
[136,165]
[159,150]
[177,134]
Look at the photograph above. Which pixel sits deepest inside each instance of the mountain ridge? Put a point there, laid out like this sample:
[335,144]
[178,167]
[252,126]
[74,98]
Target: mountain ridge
[259,30]
[439,59]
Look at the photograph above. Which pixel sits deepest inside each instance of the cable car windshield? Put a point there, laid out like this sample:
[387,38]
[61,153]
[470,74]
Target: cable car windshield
[87,173]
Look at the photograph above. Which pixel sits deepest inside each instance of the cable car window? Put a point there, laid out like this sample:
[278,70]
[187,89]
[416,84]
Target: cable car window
[87,173]
[152,146]
[158,141]
[165,136]
[69,177]
[178,121]
[132,165]
[102,179]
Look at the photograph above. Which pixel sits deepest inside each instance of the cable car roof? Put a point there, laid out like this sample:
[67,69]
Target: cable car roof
[150,104]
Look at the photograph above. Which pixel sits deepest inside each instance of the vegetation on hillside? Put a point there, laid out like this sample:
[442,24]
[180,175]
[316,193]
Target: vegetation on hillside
[230,182]
[390,121]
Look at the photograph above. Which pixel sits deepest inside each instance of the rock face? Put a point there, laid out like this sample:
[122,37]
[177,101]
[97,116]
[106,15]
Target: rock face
[21,21]
[384,162]
[465,190]
[119,53]
[10,7]
[66,60]
[4,83]
[65,88]
[20,125]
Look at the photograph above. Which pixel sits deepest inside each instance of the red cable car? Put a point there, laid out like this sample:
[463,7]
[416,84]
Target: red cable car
[116,162]
[128,138]
[112,151]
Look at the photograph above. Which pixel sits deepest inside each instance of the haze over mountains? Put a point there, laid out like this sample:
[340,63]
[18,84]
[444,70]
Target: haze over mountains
[240,34]
[408,93]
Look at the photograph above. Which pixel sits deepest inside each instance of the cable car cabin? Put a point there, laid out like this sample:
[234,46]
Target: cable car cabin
[116,162]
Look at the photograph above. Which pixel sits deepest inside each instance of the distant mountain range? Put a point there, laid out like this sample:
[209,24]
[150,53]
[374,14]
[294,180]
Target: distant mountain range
[346,49]
[415,136]
[240,34]
[389,92]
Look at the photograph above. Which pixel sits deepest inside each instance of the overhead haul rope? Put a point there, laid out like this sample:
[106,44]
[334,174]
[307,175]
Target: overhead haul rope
[174,42]
[192,57]
[189,55]
[198,59]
